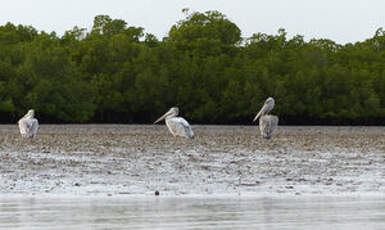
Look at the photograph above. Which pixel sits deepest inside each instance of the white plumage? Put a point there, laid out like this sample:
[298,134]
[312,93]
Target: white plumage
[267,123]
[177,126]
[28,125]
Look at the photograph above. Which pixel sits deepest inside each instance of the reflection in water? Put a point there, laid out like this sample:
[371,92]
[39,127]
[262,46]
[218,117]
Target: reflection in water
[55,212]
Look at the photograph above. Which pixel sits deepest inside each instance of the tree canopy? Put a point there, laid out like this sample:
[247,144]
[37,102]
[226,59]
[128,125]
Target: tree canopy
[118,73]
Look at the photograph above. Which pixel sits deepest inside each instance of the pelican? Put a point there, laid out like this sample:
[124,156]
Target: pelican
[178,126]
[28,125]
[267,123]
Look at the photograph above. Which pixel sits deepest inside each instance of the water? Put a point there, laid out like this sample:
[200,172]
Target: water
[199,212]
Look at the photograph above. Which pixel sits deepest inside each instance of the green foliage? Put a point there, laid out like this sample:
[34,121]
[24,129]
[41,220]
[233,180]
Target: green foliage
[118,73]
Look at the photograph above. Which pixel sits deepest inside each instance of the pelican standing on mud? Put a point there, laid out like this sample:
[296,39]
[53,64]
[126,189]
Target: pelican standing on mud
[267,123]
[178,126]
[28,125]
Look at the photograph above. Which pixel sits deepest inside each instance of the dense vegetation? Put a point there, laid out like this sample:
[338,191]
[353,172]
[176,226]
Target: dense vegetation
[118,73]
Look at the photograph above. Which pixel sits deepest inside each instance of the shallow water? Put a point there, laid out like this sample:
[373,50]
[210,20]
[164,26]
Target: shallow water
[189,212]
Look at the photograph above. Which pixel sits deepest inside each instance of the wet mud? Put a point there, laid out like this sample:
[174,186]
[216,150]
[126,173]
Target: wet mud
[138,159]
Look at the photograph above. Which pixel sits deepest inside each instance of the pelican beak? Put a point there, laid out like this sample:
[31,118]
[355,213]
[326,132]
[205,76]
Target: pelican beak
[262,111]
[162,117]
[256,117]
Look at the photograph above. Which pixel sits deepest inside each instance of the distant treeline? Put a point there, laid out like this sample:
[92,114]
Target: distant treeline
[118,73]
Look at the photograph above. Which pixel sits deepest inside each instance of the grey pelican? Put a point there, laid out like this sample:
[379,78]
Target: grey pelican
[178,126]
[267,123]
[28,125]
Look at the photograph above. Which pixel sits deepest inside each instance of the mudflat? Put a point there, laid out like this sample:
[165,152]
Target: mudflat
[141,159]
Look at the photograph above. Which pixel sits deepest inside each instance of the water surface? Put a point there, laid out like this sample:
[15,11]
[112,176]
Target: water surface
[207,212]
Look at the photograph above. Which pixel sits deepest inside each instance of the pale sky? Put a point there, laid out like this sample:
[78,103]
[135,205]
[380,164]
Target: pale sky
[342,21]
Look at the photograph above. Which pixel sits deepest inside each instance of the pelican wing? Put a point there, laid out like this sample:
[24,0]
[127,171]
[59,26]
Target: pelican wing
[34,127]
[28,127]
[178,126]
[267,125]
[23,127]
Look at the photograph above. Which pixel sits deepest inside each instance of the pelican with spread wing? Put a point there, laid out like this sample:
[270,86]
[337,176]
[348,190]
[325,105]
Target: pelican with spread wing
[178,126]
[28,125]
[267,123]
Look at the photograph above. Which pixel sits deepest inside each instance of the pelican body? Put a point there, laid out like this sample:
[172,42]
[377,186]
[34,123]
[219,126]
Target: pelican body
[177,126]
[28,125]
[267,123]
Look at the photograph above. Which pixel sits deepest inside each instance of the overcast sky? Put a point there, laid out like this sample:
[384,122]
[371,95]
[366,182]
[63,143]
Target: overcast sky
[342,21]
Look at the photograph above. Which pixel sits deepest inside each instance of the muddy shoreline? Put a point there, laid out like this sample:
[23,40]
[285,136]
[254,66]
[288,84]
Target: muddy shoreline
[140,159]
